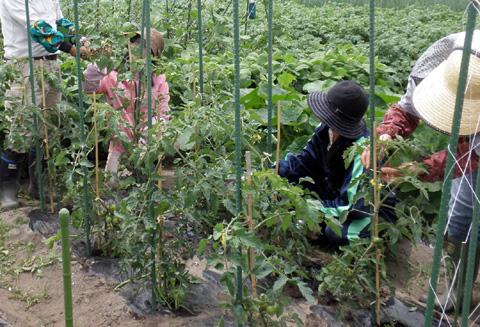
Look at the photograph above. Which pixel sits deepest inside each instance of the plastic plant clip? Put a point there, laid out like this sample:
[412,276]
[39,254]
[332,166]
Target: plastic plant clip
[252,10]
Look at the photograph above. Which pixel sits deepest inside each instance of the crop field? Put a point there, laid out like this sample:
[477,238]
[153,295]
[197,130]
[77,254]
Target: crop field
[397,4]
[200,184]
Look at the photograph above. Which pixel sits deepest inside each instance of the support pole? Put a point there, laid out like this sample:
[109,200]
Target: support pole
[270,76]
[47,151]
[376,201]
[35,125]
[277,159]
[447,185]
[146,13]
[67,275]
[373,153]
[200,46]
[238,138]
[251,253]
[82,133]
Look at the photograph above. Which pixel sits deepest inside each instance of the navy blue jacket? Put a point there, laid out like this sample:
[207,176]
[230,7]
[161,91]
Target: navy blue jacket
[312,162]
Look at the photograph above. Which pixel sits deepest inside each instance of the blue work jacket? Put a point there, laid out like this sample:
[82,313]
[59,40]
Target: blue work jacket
[312,162]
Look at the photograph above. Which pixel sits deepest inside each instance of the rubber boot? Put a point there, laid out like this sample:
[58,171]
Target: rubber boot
[456,269]
[113,161]
[11,167]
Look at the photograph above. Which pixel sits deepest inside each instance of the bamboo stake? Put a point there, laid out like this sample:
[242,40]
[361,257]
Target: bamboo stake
[375,199]
[277,159]
[194,86]
[250,222]
[131,84]
[278,137]
[47,153]
[160,157]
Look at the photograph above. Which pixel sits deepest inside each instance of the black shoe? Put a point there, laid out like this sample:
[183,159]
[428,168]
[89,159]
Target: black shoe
[11,167]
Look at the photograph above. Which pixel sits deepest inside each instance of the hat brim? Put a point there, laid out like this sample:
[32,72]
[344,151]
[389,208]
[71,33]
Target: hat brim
[434,103]
[325,111]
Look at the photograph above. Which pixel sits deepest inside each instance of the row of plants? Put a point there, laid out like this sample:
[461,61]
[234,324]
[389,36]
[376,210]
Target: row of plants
[397,4]
[147,225]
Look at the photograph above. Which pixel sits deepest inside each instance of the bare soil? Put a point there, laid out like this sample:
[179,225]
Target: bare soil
[35,297]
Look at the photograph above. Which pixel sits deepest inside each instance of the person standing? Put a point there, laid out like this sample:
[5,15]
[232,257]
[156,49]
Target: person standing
[430,97]
[51,33]
[129,96]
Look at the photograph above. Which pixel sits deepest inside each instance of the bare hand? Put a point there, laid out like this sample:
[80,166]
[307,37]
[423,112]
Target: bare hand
[84,52]
[365,157]
[389,173]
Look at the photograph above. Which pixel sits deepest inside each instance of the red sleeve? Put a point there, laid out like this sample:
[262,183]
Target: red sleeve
[436,163]
[397,122]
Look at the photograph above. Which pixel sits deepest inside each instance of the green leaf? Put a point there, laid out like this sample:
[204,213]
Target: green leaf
[285,79]
[289,58]
[306,291]
[217,232]
[314,86]
[286,222]
[202,244]
[161,208]
[280,282]
[250,240]
[86,163]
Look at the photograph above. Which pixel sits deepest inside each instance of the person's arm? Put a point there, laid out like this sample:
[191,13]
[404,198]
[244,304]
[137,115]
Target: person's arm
[93,78]
[466,162]
[161,91]
[308,162]
[397,122]
[51,39]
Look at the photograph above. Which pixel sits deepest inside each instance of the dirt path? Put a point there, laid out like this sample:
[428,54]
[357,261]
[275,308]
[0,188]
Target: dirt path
[32,295]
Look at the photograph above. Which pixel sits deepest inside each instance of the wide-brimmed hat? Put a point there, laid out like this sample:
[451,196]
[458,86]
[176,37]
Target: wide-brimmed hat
[434,98]
[341,108]
[156,41]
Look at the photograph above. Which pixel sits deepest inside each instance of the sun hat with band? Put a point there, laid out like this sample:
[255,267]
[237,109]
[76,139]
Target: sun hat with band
[341,108]
[434,98]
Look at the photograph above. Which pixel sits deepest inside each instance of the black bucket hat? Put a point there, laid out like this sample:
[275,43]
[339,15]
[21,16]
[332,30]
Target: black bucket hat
[341,108]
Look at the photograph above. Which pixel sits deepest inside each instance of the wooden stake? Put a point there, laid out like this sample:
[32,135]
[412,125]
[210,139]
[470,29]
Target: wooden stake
[194,86]
[47,153]
[278,137]
[131,85]
[375,199]
[250,223]
[160,157]
[277,160]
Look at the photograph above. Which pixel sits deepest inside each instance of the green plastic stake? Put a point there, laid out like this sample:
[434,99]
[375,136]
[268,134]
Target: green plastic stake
[200,46]
[270,76]
[447,185]
[35,125]
[67,274]
[238,138]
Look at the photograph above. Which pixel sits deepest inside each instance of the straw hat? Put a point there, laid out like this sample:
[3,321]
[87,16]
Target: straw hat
[341,108]
[156,41]
[434,98]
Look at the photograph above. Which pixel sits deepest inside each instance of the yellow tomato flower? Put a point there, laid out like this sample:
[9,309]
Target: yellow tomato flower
[224,239]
